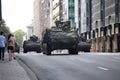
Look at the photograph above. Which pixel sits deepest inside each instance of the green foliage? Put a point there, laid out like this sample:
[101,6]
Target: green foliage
[19,36]
[18,33]
[4,28]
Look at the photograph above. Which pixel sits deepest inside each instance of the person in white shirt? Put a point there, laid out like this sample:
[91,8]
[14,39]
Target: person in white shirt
[2,45]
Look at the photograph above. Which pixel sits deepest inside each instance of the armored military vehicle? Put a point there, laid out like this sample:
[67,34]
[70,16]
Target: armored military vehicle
[83,45]
[60,37]
[32,45]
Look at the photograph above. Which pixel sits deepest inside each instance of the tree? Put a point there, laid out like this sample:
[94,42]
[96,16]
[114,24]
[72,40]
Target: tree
[19,36]
[4,28]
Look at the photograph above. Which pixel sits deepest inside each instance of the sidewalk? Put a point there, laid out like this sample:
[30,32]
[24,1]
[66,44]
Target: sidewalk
[11,70]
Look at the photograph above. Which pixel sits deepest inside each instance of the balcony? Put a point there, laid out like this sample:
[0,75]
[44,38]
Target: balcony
[56,5]
[57,14]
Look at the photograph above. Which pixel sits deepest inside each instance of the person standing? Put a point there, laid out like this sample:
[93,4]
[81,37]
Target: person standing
[2,45]
[11,45]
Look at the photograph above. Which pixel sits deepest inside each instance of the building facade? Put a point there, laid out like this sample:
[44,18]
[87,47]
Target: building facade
[63,10]
[29,31]
[41,16]
[55,11]
[99,22]
[36,20]
[71,13]
[105,33]
[58,11]
[83,17]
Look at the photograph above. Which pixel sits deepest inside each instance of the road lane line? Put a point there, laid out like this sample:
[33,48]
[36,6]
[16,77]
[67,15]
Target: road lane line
[84,60]
[79,59]
[103,68]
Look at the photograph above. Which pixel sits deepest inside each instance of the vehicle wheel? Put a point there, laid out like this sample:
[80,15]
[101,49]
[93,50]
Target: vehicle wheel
[73,51]
[86,50]
[70,51]
[18,51]
[25,51]
[38,51]
[46,49]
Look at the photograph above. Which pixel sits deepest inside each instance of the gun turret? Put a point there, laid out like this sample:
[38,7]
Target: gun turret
[64,25]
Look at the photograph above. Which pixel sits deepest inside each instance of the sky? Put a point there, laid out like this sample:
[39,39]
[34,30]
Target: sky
[18,14]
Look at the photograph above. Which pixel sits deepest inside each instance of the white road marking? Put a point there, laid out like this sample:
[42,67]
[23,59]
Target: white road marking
[80,59]
[103,68]
[84,60]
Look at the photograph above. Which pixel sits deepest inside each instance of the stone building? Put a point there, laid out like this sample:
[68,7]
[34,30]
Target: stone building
[29,31]
[99,23]
[36,20]
[41,16]
[98,20]
[105,33]
[63,10]
[57,11]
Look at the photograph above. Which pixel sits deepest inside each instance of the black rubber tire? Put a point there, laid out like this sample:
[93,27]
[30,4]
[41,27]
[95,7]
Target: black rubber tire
[73,51]
[46,49]
[25,51]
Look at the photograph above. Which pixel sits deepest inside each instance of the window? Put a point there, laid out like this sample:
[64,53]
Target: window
[109,20]
[96,24]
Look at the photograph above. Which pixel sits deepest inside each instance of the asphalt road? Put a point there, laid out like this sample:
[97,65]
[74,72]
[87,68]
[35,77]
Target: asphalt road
[73,67]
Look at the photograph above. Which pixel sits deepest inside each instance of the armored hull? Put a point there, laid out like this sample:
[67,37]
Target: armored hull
[56,38]
[32,45]
[83,45]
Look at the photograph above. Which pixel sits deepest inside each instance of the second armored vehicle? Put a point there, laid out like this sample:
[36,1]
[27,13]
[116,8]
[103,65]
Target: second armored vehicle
[32,45]
[83,45]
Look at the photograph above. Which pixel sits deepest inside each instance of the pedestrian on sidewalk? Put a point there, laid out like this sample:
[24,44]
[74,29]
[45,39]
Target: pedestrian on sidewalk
[11,46]
[2,45]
